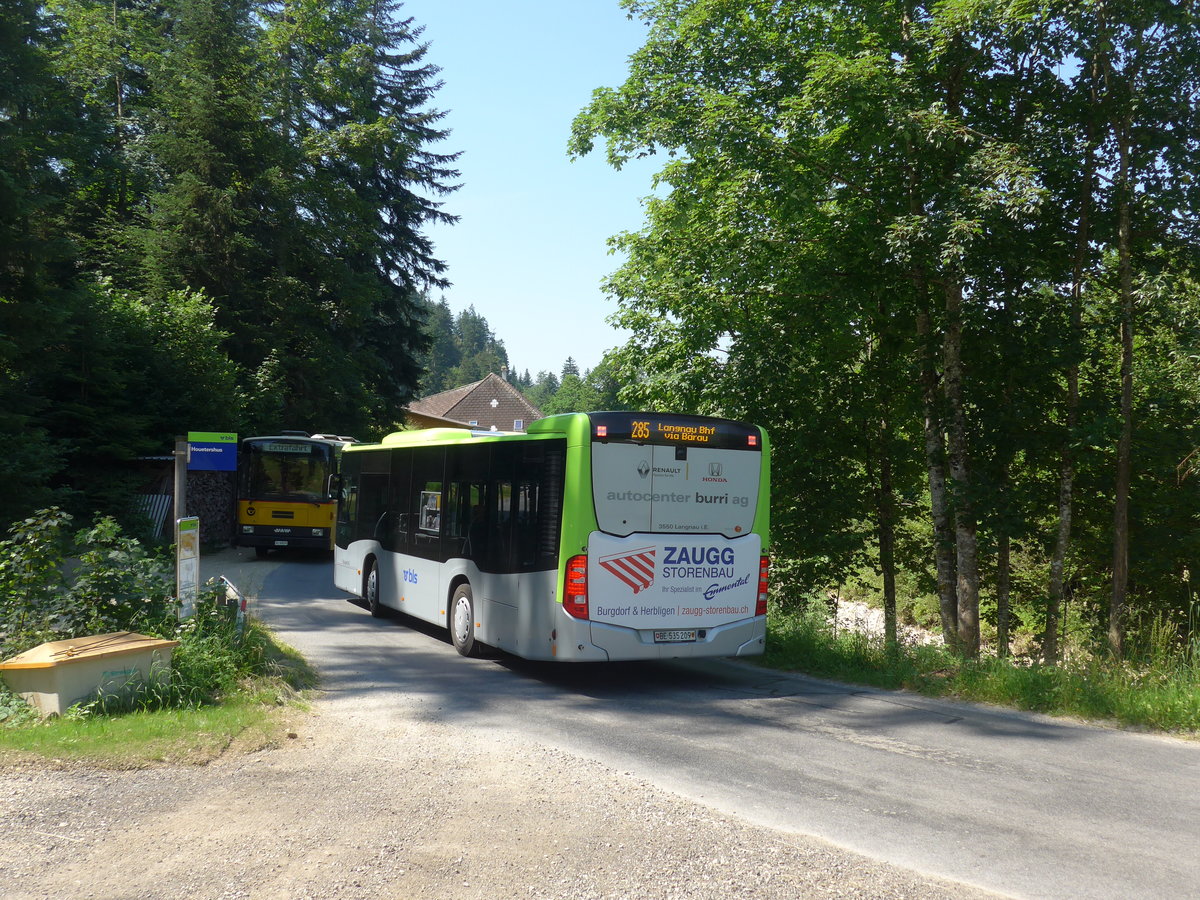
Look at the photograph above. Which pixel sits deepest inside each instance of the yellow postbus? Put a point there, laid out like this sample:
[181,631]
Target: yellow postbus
[286,490]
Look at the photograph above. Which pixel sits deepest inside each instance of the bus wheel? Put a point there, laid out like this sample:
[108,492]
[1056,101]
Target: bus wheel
[261,552]
[462,621]
[371,590]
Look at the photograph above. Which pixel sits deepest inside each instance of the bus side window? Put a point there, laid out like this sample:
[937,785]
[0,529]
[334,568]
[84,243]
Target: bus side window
[425,502]
[347,510]
[373,473]
[467,470]
[500,525]
[348,500]
[465,521]
[548,525]
[525,533]
[456,516]
[371,505]
[398,535]
[431,508]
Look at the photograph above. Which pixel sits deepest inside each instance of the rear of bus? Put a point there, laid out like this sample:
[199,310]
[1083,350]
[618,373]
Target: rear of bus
[665,533]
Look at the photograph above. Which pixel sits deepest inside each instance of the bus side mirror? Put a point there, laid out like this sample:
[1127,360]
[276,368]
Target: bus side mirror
[335,486]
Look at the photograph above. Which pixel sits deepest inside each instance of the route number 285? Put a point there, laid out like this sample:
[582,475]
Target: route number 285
[641,430]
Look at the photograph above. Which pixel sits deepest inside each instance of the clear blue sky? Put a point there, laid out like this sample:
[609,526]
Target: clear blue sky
[529,251]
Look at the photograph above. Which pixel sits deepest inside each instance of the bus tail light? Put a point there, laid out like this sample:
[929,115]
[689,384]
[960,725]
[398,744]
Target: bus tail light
[575,599]
[764,566]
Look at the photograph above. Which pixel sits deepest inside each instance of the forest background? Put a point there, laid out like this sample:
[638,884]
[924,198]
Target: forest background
[945,252]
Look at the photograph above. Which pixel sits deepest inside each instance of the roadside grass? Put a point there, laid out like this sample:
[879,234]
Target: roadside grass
[1160,692]
[134,731]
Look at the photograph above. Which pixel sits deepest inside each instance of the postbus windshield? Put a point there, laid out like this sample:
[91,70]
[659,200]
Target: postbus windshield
[281,469]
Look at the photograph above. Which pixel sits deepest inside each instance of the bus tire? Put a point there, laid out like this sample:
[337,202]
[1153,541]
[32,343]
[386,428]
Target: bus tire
[261,552]
[371,590]
[462,621]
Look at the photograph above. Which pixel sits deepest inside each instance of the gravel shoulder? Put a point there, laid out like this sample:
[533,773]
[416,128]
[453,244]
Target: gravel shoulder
[357,808]
[368,802]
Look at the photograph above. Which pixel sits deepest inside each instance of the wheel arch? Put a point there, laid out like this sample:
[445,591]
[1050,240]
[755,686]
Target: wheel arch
[369,560]
[460,578]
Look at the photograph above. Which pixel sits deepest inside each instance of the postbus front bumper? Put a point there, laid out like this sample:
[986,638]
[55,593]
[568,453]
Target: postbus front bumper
[303,537]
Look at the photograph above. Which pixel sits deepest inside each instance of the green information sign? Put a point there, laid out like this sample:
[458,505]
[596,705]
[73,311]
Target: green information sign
[187,564]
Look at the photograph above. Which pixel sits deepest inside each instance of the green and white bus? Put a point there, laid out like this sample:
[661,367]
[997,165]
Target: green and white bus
[591,537]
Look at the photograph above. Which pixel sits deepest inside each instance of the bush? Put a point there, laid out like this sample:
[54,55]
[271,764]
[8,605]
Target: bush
[53,587]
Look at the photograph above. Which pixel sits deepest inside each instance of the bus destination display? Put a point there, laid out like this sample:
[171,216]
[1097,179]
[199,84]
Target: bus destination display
[674,430]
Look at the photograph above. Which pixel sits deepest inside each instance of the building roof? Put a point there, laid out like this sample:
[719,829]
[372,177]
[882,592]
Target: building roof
[491,404]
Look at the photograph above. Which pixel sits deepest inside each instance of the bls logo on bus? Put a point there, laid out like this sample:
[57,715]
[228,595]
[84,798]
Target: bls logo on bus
[410,577]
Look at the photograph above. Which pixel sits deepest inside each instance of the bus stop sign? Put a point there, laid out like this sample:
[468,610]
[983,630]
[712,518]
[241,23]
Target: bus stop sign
[212,451]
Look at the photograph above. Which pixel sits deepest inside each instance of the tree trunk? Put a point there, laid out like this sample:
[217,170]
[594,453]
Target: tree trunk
[943,536]
[1062,540]
[1066,471]
[965,543]
[1003,591]
[1120,585]
[1050,651]
[886,513]
[935,440]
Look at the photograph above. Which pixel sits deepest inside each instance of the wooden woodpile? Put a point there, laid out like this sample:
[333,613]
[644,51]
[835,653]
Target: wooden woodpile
[210,495]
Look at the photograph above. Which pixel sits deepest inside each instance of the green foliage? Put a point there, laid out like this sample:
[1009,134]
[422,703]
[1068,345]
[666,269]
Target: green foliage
[14,711]
[34,602]
[212,662]
[211,217]
[573,395]
[601,388]
[133,371]
[607,385]
[803,639]
[118,585]
[54,587]
[39,290]
[541,392]
[462,348]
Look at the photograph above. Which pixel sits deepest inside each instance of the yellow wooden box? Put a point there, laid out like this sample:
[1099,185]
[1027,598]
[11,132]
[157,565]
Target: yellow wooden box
[55,676]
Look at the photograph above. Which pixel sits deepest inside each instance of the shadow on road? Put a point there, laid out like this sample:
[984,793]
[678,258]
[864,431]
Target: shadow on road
[360,653]
[943,786]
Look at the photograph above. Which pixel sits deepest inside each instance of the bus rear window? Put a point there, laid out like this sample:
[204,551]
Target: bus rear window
[674,489]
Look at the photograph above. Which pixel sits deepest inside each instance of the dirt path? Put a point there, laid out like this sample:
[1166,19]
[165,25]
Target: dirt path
[376,802]
[362,805]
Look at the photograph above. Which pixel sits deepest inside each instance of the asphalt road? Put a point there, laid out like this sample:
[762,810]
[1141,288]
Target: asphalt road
[1011,802]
